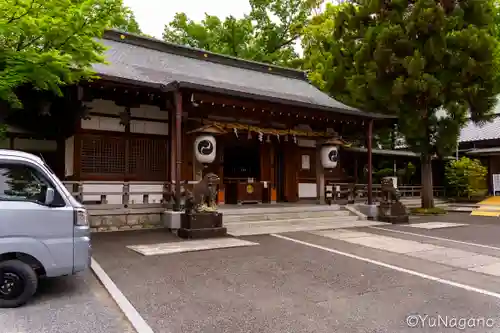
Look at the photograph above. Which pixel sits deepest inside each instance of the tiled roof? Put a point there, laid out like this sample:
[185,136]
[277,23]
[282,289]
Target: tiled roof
[488,131]
[145,60]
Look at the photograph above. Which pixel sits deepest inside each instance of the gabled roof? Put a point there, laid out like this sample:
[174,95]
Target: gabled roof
[149,61]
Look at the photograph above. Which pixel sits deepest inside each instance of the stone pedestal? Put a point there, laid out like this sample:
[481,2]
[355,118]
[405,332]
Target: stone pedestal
[392,212]
[171,219]
[201,225]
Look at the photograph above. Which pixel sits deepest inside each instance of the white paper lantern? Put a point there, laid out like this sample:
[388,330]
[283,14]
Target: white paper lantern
[329,156]
[205,148]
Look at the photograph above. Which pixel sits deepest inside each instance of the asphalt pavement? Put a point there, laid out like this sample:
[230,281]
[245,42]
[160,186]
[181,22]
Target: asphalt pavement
[305,283]
[388,278]
[67,305]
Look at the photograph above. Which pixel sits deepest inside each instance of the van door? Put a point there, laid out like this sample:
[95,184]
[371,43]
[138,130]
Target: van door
[25,216]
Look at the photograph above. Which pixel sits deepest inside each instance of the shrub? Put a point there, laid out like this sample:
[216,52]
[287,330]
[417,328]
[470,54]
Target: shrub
[466,178]
[428,211]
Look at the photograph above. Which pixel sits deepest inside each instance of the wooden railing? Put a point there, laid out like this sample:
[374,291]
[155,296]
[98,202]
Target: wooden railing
[359,192]
[101,198]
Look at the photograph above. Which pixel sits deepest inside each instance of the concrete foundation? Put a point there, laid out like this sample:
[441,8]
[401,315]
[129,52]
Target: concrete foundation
[121,222]
[171,219]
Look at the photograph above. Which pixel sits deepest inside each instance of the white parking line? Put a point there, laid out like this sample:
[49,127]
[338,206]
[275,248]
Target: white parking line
[123,303]
[439,238]
[395,268]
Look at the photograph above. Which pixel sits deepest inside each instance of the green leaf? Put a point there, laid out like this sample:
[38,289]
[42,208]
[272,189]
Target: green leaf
[414,59]
[267,34]
[51,43]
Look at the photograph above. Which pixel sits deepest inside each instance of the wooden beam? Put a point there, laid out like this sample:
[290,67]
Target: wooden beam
[277,110]
[265,119]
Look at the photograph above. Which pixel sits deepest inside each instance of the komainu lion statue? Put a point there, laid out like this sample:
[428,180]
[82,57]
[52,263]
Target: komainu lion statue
[389,192]
[391,209]
[203,197]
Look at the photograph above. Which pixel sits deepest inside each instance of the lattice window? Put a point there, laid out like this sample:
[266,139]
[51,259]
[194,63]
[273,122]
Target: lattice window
[148,158]
[102,155]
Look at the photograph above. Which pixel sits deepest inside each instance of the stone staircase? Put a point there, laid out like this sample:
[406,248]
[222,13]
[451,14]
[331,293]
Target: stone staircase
[269,220]
[416,202]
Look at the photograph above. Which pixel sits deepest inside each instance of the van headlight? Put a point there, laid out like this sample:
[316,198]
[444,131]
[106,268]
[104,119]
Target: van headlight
[81,217]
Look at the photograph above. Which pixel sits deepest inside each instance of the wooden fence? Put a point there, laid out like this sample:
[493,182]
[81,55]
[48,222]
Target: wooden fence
[359,192]
[108,198]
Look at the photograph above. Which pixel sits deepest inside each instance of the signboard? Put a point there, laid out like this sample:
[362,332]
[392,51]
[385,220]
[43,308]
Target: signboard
[306,162]
[496,184]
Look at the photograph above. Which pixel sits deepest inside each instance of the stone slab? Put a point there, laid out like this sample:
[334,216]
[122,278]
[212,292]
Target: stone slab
[493,269]
[442,254]
[386,243]
[189,246]
[435,225]
[273,228]
[472,261]
[434,253]
[341,234]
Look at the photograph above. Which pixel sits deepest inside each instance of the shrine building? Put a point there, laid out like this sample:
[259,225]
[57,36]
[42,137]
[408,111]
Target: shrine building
[167,113]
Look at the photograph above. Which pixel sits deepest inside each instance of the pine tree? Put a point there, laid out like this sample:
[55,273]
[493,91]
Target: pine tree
[433,63]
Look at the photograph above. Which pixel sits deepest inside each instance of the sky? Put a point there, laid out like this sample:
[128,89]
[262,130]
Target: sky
[152,15]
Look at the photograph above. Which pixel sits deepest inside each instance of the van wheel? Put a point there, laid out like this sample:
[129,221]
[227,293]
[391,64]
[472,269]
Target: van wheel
[18,283]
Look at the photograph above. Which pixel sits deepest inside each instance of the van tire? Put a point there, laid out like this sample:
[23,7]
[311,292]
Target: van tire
[27,282]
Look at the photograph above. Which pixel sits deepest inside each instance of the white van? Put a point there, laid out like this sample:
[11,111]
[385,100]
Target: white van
[44,231]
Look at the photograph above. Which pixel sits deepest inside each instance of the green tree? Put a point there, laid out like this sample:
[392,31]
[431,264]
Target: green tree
[50,43]
[466,178]
[432,63]
[126,22]
[267,34]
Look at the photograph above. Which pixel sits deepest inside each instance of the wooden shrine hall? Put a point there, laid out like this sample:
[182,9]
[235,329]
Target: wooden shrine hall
[163,112]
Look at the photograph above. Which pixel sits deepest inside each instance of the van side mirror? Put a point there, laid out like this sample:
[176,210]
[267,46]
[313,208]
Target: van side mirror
[49,196]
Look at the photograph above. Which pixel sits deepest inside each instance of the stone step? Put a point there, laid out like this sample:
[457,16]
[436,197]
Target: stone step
[310,226]
[230,219]
[273,209]
[291,223]
[292,220]
[416,202]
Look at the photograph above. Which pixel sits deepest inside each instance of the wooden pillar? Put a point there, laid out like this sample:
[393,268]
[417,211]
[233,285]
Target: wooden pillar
[393,147]
[178,148]
[274,187]
[320,176]
[369,136]
[356,166]
[172,137]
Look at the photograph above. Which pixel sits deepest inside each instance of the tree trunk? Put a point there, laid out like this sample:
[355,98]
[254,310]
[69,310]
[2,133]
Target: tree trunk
[427,188]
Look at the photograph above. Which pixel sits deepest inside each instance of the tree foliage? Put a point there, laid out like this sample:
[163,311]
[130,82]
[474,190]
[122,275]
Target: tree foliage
[51,43]
[126,22]
[267,34]
[433,63]
[466,178]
